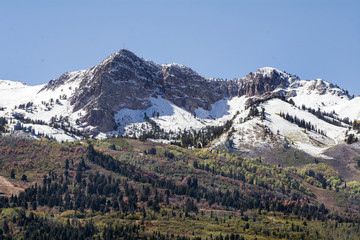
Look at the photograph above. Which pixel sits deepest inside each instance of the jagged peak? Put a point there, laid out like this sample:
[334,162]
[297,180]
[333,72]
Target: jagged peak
[177,65]
[125,53]
[127,59]
[269,74]
[270,71]
[267,70]
[180,68]
[121,54]
[320,81]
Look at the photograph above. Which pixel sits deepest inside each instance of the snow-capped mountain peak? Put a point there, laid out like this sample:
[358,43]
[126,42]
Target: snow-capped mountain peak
[270,71]
[126,94]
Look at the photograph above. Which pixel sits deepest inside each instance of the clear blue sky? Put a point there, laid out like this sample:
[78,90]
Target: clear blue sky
[39,40]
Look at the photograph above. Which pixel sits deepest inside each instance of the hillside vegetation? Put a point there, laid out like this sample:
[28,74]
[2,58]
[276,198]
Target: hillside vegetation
[128,189]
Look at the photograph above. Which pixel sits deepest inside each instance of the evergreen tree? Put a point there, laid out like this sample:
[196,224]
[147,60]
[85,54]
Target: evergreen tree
[24,178]
[12,174]
[5,227]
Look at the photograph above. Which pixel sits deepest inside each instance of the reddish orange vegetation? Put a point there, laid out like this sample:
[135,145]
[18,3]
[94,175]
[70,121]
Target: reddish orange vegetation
[79,150]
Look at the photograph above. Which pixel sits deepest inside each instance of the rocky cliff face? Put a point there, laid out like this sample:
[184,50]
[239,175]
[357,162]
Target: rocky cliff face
[187,89]
[264,83]
[124,80]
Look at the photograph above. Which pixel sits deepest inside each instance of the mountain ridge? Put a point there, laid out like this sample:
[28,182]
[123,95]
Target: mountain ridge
[169,80]
[128,95]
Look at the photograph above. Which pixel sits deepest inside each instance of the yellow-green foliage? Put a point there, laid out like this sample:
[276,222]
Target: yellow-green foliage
[354,186]
[325,169]
[9,212]
[73,214]
[312,174]
[252,171]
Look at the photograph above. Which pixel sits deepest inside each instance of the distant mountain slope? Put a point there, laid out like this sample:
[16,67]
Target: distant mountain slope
[274,130]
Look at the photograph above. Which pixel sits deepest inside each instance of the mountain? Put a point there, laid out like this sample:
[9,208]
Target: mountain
[125,81]
[128,95]
[266,156]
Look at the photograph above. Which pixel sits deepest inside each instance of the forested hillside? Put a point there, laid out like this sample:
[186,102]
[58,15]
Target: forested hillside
[128,189]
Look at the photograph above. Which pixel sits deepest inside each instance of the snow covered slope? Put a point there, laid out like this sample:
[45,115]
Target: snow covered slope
[7,84]
[350,109]
[14,93]
[274,130]
[318,94]
[175,119]
[19,101]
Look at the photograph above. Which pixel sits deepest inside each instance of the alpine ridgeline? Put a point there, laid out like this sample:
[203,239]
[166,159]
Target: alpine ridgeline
[131,96]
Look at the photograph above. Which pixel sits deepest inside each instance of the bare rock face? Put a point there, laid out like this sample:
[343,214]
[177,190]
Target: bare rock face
[265,80]
[185,88]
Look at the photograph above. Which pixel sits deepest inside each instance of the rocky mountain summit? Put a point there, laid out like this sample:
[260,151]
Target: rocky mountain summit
[126,81]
